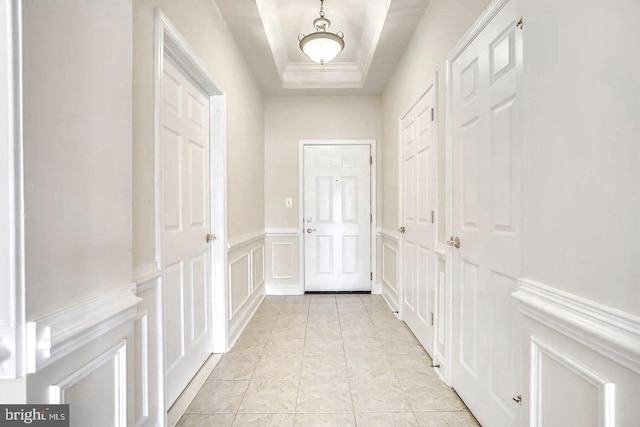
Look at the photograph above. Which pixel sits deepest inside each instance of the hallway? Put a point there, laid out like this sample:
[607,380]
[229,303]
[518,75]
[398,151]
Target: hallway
[327,360]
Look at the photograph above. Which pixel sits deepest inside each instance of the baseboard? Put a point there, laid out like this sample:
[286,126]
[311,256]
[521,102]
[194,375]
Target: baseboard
[243,317]
[277,289]
[180,406]
[391,298]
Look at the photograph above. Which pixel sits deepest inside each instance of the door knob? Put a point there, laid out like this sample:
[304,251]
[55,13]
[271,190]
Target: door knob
[454,241]
[210,237]
[402,229]
[310,230]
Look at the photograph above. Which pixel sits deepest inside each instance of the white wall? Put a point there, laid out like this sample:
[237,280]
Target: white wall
[201,24]
[77,150]
[287,121]
[582,150]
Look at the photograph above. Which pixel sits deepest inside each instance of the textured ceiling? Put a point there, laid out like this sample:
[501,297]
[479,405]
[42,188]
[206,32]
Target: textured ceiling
[376,33]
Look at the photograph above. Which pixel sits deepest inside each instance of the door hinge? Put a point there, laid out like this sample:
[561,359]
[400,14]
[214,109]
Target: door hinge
[433,216]
[433,115]
[370,160]
[520,23]
[431,318]
[371,276]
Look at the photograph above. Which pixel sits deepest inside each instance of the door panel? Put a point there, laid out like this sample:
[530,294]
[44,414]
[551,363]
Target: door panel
[486,153]
[186,196]
[337,209]
[418,210]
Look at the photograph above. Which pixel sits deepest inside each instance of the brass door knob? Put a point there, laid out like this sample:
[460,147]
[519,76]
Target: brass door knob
[210,237]
[310,230]
[454,241]
[402,230]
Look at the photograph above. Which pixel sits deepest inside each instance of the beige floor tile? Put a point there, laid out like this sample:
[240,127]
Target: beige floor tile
[412,365]
[294,308]
[235,368]
[219,396]
[273,396]
[325,420]
[264,420]
[322,298]
[430,395]
[363,345]
[351,331]
[324,330]
[283,347]
[388,419]
[354,306]
[247,347]
[297,299]
[402,346]
[369,366]
[206,420]
[278,368]
[292,318]
[322,345]
[354,316]
[320,307]
[331,368]
[288,332]
[378,396]
[446,419]
[273,299]
[324,396]
[323,316]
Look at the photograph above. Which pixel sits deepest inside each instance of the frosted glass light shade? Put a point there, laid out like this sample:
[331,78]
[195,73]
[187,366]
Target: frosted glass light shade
[322,46]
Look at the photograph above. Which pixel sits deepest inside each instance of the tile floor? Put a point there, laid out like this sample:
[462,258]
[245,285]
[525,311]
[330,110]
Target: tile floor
[326,360]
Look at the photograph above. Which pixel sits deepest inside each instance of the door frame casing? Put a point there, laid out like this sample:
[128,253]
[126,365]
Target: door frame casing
[373,201]
[168,41]
[472,33]
[432,84]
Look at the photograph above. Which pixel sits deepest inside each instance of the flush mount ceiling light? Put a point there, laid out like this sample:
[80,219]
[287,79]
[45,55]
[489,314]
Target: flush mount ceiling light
[322,46]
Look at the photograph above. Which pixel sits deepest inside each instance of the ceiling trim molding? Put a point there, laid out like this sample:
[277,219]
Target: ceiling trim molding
[294,75]
[374,23]
[268,10]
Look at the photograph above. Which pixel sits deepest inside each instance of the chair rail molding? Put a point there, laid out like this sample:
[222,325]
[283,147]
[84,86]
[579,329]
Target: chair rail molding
[245,239]
[282,232]
[390,234]
[611,332]
[57,335]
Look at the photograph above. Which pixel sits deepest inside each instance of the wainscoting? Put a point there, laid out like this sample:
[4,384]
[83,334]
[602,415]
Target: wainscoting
[581,360]
[84,351]
[390,267]
[283,262]
[246,266]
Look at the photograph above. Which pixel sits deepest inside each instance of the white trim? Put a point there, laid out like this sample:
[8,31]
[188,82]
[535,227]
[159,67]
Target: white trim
[146,273]
[606,389]
[12,282]
[55,336]
[612,333]
[282,232]
[373,202]
[119,355]
[169,41]
[441,251]
[389,233]
[273,264]
[245,239]
[180,406]
[280,289]
[244,314]
[334,74]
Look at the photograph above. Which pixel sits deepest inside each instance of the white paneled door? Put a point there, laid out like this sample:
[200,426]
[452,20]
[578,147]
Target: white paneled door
[337,218]
[419,135]
[487,180]
[186,213]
